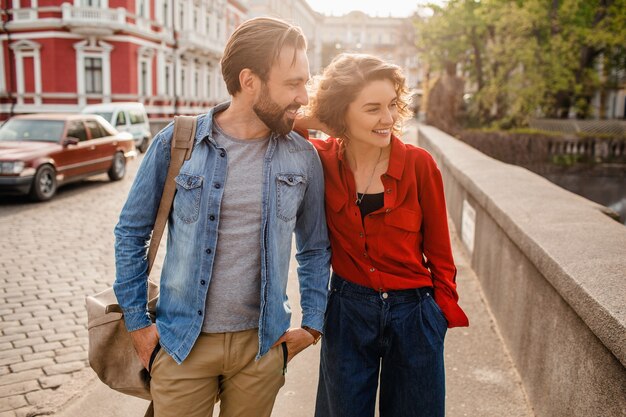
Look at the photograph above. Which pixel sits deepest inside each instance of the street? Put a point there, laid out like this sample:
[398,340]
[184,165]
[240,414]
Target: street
[53,254]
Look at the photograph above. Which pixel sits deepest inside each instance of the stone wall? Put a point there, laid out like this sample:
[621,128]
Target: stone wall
[552,266]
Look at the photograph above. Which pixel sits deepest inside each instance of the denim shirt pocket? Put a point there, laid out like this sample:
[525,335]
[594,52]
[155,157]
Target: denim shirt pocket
[289,193]
[187,199]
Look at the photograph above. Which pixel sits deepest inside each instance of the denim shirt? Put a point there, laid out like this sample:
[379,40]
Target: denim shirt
[292,201]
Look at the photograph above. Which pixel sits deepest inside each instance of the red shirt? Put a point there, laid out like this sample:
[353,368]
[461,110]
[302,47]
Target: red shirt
[405,244]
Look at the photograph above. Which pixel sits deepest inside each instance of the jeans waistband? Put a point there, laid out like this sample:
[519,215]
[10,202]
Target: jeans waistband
[343,286]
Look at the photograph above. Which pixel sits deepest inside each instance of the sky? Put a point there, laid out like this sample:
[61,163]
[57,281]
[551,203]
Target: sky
[397,8]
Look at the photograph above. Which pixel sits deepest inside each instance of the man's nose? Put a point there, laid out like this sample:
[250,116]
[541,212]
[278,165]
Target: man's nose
[303,97]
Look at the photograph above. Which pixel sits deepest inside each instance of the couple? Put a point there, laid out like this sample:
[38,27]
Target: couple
[222,329]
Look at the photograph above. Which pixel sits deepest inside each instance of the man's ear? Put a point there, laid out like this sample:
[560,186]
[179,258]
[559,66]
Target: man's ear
[249,81]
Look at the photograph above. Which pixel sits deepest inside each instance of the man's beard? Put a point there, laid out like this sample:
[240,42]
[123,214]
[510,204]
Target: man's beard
[272,114]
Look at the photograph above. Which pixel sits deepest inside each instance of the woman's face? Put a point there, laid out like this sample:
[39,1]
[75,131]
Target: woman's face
[371,116]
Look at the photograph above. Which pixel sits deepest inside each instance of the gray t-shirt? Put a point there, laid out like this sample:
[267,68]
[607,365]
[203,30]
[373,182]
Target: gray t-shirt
[234,298]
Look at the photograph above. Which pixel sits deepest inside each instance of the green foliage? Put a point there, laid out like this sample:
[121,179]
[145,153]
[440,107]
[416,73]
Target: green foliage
[527,58]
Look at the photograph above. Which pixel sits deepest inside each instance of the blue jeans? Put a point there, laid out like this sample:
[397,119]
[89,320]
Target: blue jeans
[398,334]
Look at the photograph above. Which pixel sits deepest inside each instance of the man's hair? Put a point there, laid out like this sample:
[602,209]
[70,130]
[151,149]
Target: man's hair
[342,81]
[256,44]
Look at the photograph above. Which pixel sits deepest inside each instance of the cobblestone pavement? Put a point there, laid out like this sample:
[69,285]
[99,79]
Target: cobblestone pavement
[51,255]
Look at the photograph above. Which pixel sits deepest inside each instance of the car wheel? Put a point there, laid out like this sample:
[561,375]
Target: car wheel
[45,184]
[144,145]
[118,167]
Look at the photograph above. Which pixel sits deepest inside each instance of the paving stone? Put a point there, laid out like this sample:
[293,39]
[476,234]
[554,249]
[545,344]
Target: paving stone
[19,388]
[38,355]
[46,346]
[20,329]
[72,357]
[64,368]
[38,397]
[39,363]
[12,337]
[15,352]
[24,376]
[54,381]
[29,342]
[13,402]
[70,349]
[58,337]
[35,320]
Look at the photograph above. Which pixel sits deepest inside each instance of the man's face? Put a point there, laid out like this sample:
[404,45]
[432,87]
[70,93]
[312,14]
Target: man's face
[284,93]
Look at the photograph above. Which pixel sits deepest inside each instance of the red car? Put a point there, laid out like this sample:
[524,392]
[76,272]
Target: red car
[40,152]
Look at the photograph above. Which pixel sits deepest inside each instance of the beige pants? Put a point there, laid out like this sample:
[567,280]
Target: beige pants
[219,365]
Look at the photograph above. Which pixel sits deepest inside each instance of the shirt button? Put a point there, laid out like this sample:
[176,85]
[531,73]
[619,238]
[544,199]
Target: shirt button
[365,254]
[211,217]
[222,154]
[208,251]
[372,269]
[387,211]
[202,282]
[199,312]
[217,185]
[388,190]
[361,234]
[385,295]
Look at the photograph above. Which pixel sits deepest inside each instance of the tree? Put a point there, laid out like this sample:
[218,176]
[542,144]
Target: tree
[523,58]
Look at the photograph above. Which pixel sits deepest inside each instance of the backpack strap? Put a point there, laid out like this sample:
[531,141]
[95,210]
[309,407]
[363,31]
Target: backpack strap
[182,146]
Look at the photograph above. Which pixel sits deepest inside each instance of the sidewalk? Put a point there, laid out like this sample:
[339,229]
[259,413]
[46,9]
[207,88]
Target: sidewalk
[481,381]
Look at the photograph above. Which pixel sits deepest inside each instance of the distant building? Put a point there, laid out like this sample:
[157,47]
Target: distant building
[299,13]
[60,56]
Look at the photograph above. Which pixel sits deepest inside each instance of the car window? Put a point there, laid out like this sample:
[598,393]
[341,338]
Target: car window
[136,117]
[107,115]
[32,130]
[121,119]
[95,130]
[76,129]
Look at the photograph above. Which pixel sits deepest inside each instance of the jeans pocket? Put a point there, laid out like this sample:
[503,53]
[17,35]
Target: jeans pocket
[289,193]
[285,356]
[187,198]
[440,317]
[153,357]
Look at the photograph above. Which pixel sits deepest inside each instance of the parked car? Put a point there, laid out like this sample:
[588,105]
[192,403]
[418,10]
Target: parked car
[128,117]
[40,152]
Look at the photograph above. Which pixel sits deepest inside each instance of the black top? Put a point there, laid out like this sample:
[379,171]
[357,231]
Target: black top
[370,203]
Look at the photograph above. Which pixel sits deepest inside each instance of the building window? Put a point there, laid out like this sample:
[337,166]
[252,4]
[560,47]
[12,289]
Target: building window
[182,17]
[167,79]
[165,13]
[182,82]
[196,83]
[208,84]
[143,79]
[93,75]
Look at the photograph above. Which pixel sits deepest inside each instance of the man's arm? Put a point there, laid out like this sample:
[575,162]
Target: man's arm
[313,256]
[132,236]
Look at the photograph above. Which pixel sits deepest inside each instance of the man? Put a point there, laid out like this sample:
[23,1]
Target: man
[223,317]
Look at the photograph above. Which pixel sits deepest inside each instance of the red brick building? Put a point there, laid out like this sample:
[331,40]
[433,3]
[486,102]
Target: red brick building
[58,56]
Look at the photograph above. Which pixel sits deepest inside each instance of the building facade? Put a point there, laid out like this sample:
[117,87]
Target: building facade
[60,56]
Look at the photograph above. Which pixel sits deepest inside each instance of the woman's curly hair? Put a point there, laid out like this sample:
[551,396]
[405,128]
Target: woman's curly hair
[341,82]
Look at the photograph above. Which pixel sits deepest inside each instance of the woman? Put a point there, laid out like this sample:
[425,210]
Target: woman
[393,292]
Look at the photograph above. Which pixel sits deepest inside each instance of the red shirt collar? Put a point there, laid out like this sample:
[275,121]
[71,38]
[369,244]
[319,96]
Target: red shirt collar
[396,158]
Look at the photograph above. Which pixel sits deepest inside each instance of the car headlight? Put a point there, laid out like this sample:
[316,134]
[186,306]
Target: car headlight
[14,168]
